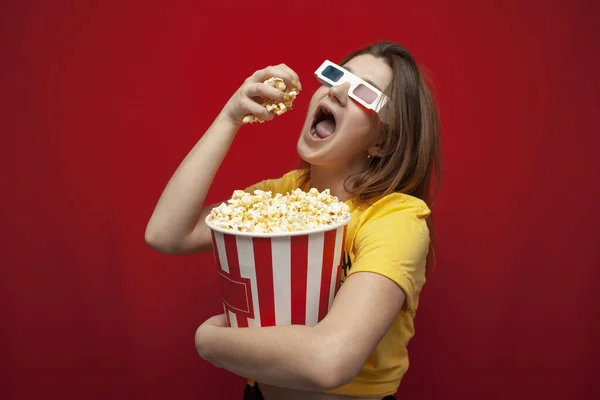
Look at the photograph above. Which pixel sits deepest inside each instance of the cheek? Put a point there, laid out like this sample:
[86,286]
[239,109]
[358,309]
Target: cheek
[312,105]
[320,93]
[360,120]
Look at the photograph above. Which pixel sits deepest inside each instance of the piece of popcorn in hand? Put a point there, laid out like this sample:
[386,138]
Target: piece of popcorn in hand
[263,212]
[272,105]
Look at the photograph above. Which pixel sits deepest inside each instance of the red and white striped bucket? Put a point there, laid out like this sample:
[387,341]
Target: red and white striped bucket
[270,279]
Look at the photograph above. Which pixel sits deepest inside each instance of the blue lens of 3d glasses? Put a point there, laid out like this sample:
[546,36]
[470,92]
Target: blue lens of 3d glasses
[332,73]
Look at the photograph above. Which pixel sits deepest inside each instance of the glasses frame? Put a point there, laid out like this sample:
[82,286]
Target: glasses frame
[355,81]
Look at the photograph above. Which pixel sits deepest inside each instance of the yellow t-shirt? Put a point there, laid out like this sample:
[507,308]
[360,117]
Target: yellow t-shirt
[391,238]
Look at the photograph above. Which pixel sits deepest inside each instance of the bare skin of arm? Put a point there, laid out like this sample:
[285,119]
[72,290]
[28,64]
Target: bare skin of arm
[177,223]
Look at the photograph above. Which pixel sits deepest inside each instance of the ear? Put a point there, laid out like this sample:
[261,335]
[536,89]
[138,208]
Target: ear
[376,150]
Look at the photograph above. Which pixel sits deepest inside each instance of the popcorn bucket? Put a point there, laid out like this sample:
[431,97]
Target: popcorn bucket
[270,279]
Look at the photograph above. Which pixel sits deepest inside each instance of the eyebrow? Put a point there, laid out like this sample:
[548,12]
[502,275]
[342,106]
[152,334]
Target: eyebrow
[366,80]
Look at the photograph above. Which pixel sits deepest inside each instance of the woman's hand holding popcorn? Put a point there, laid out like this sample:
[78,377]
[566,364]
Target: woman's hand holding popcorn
[177,223]
[267,92]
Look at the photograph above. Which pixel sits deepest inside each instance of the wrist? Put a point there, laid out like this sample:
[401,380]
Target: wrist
[226,121]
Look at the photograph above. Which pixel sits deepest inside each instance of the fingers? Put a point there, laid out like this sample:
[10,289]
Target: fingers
[295,77]
[280,71]
[264,90]
[257,110]
[254,94]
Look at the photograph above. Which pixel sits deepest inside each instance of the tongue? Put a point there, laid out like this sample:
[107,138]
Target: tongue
[325,128]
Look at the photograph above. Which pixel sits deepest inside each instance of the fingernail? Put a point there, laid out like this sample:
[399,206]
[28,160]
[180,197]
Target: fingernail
[297,84]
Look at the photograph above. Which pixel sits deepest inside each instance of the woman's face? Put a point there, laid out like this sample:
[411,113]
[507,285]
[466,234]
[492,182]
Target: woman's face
[345,140]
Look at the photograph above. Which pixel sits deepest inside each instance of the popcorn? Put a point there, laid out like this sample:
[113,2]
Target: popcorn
[272,105]
[294,211]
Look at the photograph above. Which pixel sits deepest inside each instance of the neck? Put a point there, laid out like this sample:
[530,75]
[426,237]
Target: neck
[322,178]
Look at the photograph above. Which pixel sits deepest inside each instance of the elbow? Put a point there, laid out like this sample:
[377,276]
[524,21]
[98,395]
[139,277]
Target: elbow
[334,369]
[326,382]
[158,241]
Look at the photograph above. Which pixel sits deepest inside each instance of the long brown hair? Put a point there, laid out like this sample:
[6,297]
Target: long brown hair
[409,137]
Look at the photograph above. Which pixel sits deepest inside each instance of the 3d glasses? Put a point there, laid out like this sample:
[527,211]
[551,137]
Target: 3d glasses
[361,91]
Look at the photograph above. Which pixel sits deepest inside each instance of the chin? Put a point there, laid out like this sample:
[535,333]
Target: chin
[311,158]
[306,154]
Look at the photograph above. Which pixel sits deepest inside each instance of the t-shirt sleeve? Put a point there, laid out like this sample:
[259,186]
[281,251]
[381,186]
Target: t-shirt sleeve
[394,245]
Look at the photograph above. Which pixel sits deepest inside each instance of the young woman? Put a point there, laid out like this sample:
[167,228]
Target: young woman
[371,136]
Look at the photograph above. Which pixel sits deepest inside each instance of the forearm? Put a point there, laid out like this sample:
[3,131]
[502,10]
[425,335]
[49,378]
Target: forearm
[286,356]
[178,209]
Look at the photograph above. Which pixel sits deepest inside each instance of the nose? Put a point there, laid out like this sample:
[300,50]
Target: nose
[340,93]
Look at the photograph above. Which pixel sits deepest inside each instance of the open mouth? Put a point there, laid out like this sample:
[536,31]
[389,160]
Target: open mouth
[323,125]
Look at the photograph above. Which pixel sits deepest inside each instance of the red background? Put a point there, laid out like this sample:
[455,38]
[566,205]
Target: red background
[102,100]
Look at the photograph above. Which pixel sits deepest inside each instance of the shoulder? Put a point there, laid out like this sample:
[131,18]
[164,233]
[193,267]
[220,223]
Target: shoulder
[394,206]
[396,222]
